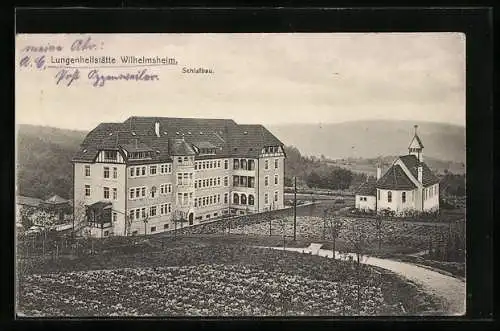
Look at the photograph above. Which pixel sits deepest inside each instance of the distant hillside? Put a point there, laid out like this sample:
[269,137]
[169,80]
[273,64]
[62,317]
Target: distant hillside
[369,166]
[44,160]
[370,139]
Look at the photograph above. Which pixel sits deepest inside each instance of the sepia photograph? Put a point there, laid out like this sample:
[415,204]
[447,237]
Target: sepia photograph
[240,175]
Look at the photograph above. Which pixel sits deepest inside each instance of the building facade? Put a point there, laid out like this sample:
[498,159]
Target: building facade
[151,174]
[408,185]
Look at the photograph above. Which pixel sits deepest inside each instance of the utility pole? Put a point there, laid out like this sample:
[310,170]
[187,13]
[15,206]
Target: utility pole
[295,210]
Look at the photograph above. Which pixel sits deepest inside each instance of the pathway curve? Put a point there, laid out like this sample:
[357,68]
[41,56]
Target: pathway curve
[449,289]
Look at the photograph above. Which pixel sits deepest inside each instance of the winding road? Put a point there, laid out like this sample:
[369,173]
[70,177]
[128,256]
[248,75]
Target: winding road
[449,289]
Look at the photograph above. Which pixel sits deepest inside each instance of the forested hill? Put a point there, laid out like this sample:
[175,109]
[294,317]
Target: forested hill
[44,160]
[373,138]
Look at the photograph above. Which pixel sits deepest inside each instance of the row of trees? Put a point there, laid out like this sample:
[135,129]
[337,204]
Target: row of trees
[317,173]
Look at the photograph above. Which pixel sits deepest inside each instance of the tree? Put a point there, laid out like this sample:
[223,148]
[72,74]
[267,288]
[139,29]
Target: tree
[378,224]
[313,180]
[334,226]
[25,213]
[45,221]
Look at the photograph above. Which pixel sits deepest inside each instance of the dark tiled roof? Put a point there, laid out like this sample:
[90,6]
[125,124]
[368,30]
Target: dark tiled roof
[367,188]
[55,200]
[100,205]
[181,147]
[395,179]
[28,201]
[411,162]
[227,137]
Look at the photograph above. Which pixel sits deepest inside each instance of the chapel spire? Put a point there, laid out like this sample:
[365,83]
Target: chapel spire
[416,147]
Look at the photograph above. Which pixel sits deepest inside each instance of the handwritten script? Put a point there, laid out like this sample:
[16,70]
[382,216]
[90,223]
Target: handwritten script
[82,60]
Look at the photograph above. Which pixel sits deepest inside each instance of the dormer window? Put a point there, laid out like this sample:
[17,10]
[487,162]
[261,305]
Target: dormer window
[110,155]
[140,155]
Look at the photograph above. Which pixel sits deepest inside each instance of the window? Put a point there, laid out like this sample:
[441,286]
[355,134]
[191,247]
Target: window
[196,166]
[243,199]
[106,233]
[218,164]
[106,192]
[210,199]
[236,180]
[115,173]
[110,155]
[106,172]
[137,213]
[186,159]
[226,164]
[251,181]
[236,164]
[243,164]
[275,179]
[115,217]
[143,191]
[378,194]
[143,212]
[266,198]
[275,163]
[218,198]
[131,193]
[179,159]
[152,170]
[226,181]
[165,226]
[389,196]
[153,191]
[87,171]
[138,171]
[266,164]
[179,198]
[218,181]
[211,183]
[276,196]
[196,202]
[152,211]
[251,165]
[132,172]
[251,200]
[153,228]
[403,197]
[143,171]
[137,192]
[179,179]
[115,193]
[266,180]
[225,197]
[169,188]
[87,190]
[131,215]
[236,198]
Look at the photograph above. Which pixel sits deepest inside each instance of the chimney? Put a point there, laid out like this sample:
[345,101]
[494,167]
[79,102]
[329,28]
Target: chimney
[157,128]
[420,173]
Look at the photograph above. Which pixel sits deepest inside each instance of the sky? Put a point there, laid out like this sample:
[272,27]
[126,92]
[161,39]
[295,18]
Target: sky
[257,78]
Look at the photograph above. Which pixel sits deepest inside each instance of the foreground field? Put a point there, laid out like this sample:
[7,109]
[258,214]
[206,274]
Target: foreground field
[201,279]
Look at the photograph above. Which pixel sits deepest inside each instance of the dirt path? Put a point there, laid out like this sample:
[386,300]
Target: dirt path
[449,289]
